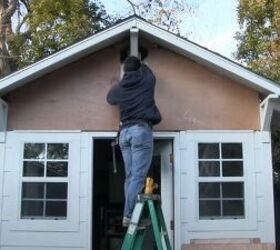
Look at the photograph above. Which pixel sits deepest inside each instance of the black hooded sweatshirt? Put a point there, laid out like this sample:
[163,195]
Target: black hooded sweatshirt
[135,96]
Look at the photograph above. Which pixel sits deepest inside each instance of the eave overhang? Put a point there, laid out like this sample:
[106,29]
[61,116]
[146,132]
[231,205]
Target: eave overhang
[134,28]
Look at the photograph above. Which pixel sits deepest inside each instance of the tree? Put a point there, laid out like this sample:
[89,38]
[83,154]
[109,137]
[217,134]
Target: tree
[7,10]
[259,49]
[42,27]
[259,38]
[50,25]
[167,14]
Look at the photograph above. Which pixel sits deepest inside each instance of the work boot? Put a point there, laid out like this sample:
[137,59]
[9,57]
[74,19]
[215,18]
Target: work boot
[125,221]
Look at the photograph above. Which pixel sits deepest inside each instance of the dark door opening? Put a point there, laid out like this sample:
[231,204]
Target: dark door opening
[108,196]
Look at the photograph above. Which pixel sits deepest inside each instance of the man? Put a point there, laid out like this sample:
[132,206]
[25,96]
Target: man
[138,113]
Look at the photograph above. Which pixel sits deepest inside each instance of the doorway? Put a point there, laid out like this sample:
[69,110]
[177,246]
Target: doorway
[108,195]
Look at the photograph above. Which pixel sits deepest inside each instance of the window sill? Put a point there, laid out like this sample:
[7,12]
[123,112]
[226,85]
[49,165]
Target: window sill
[222,224]
[44,225]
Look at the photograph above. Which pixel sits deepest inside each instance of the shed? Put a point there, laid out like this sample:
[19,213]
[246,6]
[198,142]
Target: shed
[212,153]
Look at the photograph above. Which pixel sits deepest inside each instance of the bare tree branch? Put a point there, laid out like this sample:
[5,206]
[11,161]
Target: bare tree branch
[21,23]
[26,4]
[133,6]
[11,9]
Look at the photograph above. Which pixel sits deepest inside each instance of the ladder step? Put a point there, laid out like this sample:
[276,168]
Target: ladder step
[145,197]
[132,228]
[136,232]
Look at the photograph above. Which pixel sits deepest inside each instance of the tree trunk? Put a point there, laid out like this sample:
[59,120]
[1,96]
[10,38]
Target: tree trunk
[7,9]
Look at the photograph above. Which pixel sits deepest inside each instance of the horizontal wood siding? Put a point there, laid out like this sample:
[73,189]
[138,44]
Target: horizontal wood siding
[189,96]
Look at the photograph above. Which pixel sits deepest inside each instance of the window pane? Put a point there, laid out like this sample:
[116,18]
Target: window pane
[208,151]
[56,190]
[209,208]
[32,208]
[56,208]
[233,208]
[33,168]
[57,169]
[58,151]
[233,190]
[209,168]
[233,168]
[34,151]
[232,150]
[209,190]
[32,190]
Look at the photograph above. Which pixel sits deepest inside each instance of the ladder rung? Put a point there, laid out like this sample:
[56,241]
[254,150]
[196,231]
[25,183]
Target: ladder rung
[145,197]
[132,227]
[136,232]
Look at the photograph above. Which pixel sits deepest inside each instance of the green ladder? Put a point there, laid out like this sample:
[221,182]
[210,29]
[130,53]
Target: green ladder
[135,234]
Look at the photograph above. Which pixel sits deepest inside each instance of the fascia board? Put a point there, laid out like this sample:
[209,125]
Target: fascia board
[165,38]
[209,59]
[65,56]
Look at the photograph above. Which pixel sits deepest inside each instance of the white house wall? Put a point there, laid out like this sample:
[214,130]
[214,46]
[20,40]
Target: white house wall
[2,154]
[42,234]
[264,186]
[259,176]
[39,234]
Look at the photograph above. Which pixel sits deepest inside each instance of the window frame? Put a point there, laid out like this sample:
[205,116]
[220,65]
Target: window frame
[247,140]
[71,222]
[220,179]
[45,180]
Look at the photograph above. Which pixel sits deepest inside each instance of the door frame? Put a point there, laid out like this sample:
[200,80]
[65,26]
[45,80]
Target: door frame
[87,159]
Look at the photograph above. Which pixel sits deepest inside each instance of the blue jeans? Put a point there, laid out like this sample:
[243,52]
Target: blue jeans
[136,143]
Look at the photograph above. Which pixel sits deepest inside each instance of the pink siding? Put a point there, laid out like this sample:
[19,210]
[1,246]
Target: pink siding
[189,96]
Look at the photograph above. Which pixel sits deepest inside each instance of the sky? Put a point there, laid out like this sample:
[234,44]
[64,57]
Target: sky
[213,25]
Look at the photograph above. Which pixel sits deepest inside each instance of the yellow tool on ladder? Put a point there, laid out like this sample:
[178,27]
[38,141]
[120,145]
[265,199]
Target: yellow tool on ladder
[135,233]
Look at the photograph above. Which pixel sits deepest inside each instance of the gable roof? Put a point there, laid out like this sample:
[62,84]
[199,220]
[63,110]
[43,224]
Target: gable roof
[110,35]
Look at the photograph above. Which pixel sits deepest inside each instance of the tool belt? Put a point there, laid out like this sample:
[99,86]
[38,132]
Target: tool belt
[129,123]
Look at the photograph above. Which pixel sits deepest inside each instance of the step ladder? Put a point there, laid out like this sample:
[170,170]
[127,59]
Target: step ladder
[135,233]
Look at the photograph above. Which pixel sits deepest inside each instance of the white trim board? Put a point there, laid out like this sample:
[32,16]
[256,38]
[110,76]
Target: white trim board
[115,33]
[2,163]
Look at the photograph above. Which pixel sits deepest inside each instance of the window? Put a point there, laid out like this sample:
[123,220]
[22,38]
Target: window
[220,181]
[44,181]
